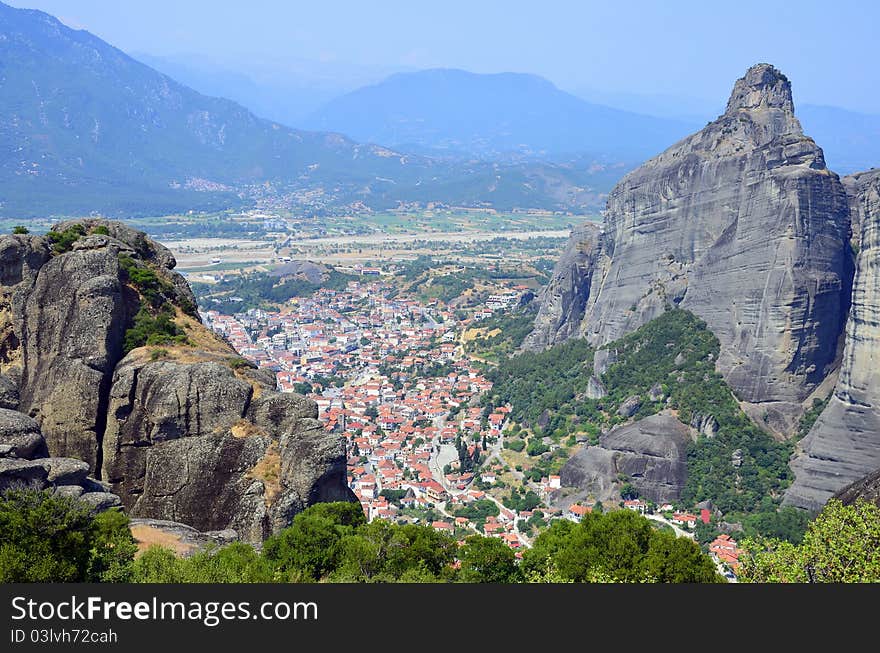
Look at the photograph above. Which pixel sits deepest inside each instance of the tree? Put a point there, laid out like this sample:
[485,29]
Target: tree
[48,538]
[628,492]
[235,563]
[842,545]
[620,546]
[113,548]
[487,560]
[309,547]
[20,230]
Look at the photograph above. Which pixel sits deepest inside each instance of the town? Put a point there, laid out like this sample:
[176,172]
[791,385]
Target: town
[390,374]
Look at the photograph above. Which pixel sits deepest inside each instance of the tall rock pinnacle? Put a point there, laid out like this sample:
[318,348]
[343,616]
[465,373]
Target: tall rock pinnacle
[742,224]
[762,87]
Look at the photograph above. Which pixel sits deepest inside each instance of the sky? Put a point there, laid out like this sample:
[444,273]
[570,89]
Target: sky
[682,48]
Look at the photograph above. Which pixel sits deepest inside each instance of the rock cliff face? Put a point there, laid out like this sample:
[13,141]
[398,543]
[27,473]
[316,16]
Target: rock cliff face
[740,223]
[844,443]
[562,302]
[181,431]
[651,453]
[867,488]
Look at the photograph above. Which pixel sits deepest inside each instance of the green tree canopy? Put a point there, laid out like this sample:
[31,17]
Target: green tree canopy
[619,545]
[842,545]
[49,538]
[487,560]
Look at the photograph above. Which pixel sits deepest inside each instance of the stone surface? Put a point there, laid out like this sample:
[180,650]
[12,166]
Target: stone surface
[630,406]
[8,393]
[844,443]
[71,491]
[595,389]
[18,473]
[62,321]
[190,443]
[562,301]
[651,454]
[184,540]
[22,433]
[66,471]
[867,488]
[705,424]
[742,224]
[100,501]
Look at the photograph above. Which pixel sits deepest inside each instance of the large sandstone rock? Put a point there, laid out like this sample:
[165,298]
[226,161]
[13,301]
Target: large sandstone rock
[66,318]
[22,434]
[187,439]
[742,224]
[844,443]
[651,454]
[190,442]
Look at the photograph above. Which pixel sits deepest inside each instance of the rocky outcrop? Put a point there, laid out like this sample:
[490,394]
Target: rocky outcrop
[182,539]
[630,406]
[705,424]
[595,389]
[650,454]
[24,463]
[562,301]
[742,224]
[844,443]
[198,444]
[867,488]
[67,315]
[181,431]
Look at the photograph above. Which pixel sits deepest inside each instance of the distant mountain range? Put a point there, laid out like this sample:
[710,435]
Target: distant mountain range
[460,112]
[85,128]
[325,95]
[287,91]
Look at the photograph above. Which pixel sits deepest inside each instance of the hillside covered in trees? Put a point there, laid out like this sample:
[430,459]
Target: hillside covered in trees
[669,363]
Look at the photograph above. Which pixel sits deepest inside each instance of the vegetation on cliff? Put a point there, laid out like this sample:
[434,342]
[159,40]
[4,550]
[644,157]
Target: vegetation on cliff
[667,363]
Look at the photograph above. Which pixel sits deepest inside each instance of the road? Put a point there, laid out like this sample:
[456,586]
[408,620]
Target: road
[678,531]
[447,454]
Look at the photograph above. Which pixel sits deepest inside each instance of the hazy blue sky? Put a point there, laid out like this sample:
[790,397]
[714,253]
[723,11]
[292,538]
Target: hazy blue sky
[674,47]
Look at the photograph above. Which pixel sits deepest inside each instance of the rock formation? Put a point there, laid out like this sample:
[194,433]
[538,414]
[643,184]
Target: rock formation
[844,443]
[867,488]
[180,430]
[742,224]
[562,301]
[651,454]
[25,462]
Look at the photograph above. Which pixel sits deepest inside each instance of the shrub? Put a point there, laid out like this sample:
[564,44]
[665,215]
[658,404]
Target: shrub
[148,329]
[62,241]
[48,538]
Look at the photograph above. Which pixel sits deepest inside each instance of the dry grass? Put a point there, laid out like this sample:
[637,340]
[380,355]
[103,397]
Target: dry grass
[200,336]
[147,536]
[479,332]
[245,429]
[268,470]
